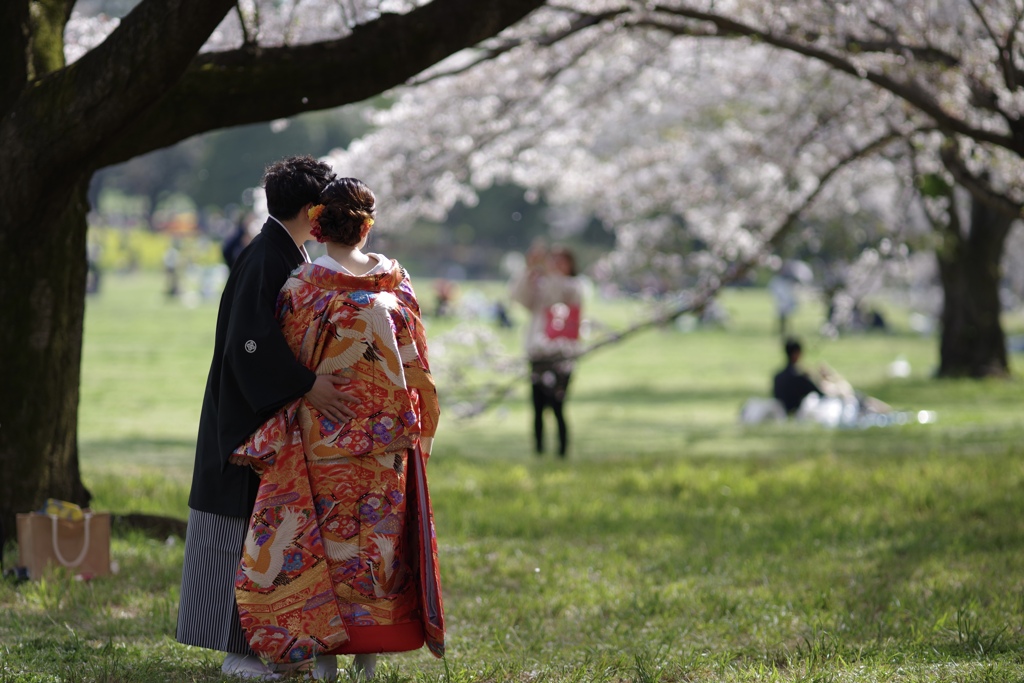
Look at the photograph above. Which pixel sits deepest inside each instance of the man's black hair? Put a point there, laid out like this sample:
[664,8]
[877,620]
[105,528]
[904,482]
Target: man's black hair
[793,347]
[294,182]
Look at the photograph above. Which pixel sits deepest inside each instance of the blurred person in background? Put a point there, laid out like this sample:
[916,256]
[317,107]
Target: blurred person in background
[792,384]
[552,291]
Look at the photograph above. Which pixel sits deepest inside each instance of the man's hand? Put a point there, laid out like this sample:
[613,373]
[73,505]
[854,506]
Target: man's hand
[331,401]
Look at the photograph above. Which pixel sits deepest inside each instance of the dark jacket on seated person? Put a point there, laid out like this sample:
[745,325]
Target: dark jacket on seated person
[791,385]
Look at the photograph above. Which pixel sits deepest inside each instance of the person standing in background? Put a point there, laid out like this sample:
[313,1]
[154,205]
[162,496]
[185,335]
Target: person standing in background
[237,241]
[551,290]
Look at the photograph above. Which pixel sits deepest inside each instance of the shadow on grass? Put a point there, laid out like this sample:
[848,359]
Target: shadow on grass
[639,394]
[135,452]
[136,444]
[888,539]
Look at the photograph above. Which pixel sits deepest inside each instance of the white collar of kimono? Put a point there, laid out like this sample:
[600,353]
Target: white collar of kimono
[302,247]
[328,262]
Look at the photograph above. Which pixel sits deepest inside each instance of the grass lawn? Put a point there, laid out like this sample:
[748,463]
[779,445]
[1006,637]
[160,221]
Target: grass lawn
[672,545]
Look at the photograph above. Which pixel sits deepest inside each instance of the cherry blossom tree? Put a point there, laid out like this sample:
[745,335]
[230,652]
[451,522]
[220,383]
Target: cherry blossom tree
[78,93]
[725,127]
[957,69]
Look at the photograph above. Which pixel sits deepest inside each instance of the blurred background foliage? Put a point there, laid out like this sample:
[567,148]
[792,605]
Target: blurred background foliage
[198,191]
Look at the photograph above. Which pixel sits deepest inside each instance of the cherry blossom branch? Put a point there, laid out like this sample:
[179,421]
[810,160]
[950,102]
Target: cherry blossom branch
[910,92]
[977,185]
[924,53]
[736,271]
[1011,75]
[580,23]
[511,108]
[984,22]
[1014,75]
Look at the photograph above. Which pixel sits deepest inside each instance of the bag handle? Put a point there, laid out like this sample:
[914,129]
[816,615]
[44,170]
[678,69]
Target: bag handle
[56,550]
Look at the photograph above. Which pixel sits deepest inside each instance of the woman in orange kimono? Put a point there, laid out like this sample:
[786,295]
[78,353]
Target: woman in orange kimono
[340,557]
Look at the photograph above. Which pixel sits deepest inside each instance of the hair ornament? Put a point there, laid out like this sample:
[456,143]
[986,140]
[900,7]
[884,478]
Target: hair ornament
[314,214]
[365,229]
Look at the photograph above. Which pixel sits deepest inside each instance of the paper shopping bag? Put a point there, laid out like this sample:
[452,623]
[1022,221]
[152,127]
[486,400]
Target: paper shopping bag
[81,545]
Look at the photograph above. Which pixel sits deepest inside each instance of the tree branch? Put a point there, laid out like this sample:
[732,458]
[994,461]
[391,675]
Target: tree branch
[246,86]
[984,96]
[925,186]
[246,38]
[911,93]
[48,19]
[485,55]
[579,23]
[1014,76]
[984,22]
[787,224]
[922,53]
[977,185]
[738,270]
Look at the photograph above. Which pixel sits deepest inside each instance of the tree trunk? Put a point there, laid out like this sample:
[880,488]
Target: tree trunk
[43,292]
[973,343]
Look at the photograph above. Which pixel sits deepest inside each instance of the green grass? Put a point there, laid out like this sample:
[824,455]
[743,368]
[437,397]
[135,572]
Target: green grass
[673,545]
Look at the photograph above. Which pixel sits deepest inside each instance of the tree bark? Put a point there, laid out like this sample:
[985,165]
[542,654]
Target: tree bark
[14,35]
[973,343]
[43,292]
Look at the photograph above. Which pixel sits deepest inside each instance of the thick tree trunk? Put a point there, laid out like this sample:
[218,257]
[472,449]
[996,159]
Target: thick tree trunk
[973,343]
[42,288]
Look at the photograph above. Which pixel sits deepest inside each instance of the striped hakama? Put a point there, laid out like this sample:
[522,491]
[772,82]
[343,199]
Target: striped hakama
[207,613]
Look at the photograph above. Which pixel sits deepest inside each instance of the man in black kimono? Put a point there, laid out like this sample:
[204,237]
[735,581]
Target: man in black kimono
[253,374]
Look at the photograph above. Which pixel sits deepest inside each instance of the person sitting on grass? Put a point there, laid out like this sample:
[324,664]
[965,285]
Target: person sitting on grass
[792,385]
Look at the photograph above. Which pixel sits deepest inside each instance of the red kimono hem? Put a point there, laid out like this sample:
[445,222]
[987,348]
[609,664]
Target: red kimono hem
[364,640]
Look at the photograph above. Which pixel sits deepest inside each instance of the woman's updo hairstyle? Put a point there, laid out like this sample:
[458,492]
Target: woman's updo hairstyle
[349,210]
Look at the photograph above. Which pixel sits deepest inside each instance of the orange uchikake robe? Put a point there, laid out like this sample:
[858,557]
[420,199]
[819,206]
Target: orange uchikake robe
[341,557]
